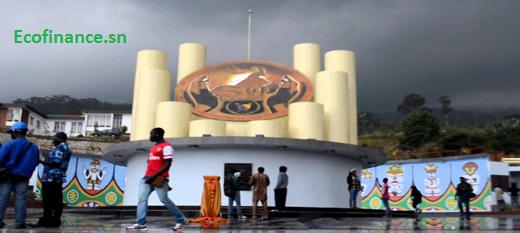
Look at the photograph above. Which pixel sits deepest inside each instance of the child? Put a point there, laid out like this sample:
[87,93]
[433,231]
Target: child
[385,196]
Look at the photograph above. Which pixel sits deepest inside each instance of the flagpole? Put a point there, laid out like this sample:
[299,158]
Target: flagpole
[250,12]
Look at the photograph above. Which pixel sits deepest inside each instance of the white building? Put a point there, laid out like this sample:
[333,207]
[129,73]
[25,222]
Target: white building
[106,119]
[11,113]
[72,125]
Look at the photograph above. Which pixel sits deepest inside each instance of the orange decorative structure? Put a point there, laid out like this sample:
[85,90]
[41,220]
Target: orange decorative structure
[243,90]
[211,202]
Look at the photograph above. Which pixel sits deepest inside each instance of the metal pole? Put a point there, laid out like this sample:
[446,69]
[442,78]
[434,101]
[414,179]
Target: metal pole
[250,12]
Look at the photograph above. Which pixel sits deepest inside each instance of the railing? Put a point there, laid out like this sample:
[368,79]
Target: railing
[495,155]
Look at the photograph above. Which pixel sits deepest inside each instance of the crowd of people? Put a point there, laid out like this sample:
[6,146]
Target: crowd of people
[19,158]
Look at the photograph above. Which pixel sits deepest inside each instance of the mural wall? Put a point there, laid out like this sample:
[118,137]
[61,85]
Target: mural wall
[91,182]
[437,181]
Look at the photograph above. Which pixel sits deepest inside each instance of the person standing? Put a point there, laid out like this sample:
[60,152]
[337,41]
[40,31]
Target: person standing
[463,191]
[385,196]
[159,163]
[55,167]
[260,181]
[280,190]
[232,189]
[354,185]
[513,192]
[20,157]
[499,195]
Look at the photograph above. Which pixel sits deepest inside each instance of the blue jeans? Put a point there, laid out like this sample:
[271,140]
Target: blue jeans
[236,198]
[514,202]
[353,197]
[387,206]
[20,197]
[463,199]
[142,206]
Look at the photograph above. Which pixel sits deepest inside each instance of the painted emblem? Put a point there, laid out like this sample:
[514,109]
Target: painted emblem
[243,90]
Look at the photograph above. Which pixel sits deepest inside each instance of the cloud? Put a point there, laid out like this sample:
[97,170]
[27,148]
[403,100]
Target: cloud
[468,50]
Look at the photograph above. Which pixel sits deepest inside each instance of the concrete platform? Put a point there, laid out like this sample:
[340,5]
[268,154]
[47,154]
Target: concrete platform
[76,222]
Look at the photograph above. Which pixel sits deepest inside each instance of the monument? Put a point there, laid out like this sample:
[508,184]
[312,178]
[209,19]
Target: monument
[248,114]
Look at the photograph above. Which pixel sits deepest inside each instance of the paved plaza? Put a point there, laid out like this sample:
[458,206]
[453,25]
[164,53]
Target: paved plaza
[74,222]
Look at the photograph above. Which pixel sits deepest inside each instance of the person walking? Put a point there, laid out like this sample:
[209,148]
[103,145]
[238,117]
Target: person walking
[513,192]
[463,191]
[55,166]
[20,157]
[354,185]
[156,179]
[385,196]
[416,199]
[499,195]
[280,190]
[260,181]
[232,191]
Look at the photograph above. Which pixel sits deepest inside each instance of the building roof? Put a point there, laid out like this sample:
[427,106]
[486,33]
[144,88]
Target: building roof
[65,117]
[86,111]
[24,106]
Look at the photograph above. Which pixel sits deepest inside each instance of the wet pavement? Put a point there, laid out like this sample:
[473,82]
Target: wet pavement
[73,222]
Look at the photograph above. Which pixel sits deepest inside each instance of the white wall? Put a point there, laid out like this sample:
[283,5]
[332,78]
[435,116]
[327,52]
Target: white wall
[33,127]
[498,168]
[127,121]
[315,179]
[68,126]
[17,116]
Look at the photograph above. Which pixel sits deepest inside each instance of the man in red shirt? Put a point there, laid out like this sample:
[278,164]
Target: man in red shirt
[159,162]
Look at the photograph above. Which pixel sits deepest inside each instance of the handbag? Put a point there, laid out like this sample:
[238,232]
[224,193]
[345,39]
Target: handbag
[5,174]
[159,182]
[472,195]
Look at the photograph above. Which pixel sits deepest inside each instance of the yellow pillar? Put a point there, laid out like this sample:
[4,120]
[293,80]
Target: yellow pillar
[212,127]
[307,60]
[146,59]
[154,87]
[332,91]
[174,118]
[268,128]
[345,61]
[192,57]
[306,120]
[236,129]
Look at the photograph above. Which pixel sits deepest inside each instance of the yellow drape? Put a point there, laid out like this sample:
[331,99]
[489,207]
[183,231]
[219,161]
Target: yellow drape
[210,206]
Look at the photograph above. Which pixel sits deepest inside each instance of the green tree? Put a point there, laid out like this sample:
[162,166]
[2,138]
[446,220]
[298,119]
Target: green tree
[419,127]
[412,103]
[367,123]
[506,135]
[445,108]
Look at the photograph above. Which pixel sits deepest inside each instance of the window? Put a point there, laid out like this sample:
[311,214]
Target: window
[31,121]
[37,124]
[118,121]
[10,115]
[77,127]
[59,126]
[102,120]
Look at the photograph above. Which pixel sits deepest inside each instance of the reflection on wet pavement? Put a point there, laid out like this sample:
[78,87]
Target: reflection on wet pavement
[109,224]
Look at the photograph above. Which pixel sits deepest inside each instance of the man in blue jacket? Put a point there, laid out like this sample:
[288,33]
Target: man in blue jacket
[20,157]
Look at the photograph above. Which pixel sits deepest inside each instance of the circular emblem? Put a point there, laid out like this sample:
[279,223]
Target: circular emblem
[111,198]
[375,203]
[451,203]
[243,90]
[72,196]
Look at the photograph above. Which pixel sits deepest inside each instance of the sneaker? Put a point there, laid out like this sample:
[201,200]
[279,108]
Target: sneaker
[242,217]
[20,226]
[2,224]
[179,226]
[274,210]
[137,227]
